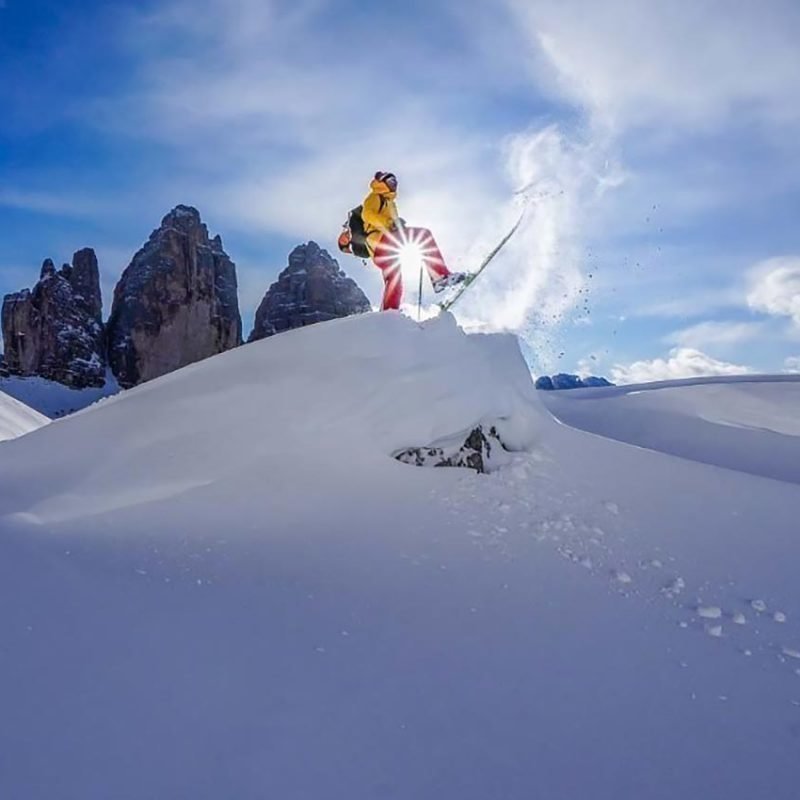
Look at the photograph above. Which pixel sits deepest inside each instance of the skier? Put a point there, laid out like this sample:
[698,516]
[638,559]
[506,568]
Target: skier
[375,230]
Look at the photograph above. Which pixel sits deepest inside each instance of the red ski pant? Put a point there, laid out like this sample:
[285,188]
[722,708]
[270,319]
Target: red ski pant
[387,259]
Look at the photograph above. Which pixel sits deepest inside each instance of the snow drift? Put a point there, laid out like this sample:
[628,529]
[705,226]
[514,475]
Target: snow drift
[747,423]
[17,419]
[221,584]
[315,411]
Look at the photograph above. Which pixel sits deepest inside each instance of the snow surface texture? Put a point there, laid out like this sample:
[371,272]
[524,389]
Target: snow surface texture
[749,424]
[16,419]
[220,584]
[54,399]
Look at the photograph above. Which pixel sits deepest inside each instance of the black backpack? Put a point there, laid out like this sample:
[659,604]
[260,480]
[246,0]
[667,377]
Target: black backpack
[358,240]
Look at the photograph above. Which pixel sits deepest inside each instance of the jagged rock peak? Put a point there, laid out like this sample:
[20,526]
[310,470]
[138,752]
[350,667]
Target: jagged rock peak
[312,288]
[48,269]
[176,303]
[182,217]
[186,219]
[85,280]
[55,331]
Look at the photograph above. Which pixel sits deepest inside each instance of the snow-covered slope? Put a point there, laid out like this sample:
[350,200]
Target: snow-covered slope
[751,423]
[219,584]
[17,419]
[54,399]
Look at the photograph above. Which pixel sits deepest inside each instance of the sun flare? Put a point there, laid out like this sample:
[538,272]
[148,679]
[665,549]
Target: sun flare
[411,252]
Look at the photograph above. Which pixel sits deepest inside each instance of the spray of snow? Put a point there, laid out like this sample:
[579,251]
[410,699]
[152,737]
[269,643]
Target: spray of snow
[538,277]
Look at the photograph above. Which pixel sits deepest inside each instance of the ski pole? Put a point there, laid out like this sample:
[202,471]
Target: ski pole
[419,296]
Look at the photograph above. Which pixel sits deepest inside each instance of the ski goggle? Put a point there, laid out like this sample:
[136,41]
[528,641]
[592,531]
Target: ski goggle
[388,178]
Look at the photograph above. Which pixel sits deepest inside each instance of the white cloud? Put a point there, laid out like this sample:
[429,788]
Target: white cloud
[792,364]
[652,62]
[709,334]
[589,365]
[775,287]
[682,362]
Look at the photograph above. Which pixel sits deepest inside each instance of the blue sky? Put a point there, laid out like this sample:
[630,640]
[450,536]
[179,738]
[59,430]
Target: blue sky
[660,144]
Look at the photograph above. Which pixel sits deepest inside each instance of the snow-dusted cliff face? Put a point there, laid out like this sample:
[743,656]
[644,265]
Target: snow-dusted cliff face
[55,331]
[311,289]
[176,303]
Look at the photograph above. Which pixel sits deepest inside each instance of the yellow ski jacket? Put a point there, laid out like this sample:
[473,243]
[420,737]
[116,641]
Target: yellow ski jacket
[379,212]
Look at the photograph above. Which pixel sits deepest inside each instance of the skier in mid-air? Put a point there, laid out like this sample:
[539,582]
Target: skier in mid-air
[375,230]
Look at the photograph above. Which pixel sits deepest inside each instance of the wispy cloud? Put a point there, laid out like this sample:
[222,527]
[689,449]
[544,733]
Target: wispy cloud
[64,203]
[792,364]
[775,287]
[633,64]
[711,334]
[682,362]
[694,303]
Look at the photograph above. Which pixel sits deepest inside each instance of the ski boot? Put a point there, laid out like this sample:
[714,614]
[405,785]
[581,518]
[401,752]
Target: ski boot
[446,281]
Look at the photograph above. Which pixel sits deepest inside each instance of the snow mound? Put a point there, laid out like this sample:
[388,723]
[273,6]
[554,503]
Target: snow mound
[748,424]
[16,419]
[321,409]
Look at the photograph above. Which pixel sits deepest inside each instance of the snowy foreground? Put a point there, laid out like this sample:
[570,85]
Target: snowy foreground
[220,585]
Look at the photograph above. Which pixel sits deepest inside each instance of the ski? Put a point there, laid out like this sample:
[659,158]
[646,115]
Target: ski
[446,305]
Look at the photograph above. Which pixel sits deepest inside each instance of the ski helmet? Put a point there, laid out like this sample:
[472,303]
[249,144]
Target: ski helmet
[345,241]
[389,178]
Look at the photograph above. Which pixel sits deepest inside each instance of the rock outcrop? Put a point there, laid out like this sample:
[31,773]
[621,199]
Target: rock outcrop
[311,289]
[176,303]
[477,451]
[55,330]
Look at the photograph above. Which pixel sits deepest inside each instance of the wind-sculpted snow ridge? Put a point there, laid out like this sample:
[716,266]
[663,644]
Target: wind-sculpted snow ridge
[221,584]
[16,419]
[328,407]
[750,424]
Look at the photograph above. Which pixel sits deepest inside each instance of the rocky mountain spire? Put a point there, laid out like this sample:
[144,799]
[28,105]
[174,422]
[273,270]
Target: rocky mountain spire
[176,303]
[55,330]
[311,289]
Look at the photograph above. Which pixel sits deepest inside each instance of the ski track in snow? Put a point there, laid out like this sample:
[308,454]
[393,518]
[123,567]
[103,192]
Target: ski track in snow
[587,538]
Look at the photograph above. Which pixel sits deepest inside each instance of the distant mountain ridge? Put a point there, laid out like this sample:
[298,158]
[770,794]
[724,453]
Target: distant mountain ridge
[564,380]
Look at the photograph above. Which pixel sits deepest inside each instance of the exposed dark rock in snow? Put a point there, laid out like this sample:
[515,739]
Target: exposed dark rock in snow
[55,330]
[566,381]
[475,452]
[311,289]
[176,303]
